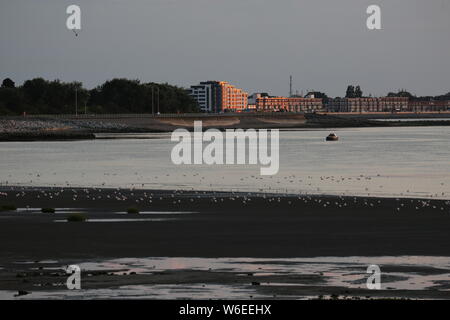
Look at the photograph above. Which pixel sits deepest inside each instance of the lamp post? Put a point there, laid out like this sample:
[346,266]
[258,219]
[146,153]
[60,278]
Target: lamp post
[85,102]
[158,99]
[76,101]
[153,107]
[153,99]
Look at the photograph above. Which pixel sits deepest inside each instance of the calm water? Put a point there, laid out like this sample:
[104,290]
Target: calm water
[398,273]
[413,161]
[413,119]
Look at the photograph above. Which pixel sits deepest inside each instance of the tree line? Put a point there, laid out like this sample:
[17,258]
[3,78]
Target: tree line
[404,93]
[40,96]
[356,92]
[353,92]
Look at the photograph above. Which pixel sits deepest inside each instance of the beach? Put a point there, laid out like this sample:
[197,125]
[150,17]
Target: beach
[216,225]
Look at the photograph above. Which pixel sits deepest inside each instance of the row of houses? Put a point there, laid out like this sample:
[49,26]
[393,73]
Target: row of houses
[220,96]
[386,104]
[264,102]
[368,104]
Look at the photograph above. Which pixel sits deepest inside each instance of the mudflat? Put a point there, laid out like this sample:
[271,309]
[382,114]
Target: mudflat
[214,225]
[218,224]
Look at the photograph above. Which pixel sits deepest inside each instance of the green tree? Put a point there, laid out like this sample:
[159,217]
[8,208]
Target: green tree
[318,94]
[400,93]
[130,96]
[11,101]
[114,96]
[8,83]
[350,93]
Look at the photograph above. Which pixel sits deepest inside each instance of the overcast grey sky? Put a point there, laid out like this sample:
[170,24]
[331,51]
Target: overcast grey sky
[254,44]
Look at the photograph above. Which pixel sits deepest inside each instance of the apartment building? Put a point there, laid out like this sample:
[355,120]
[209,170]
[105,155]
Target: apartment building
[203,94]
[393,103]
[219,96]
[265,103]
[429,105]
[368,104]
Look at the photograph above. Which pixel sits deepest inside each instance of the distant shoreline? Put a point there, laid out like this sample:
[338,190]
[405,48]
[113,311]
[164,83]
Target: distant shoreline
[45,136]
[86,127]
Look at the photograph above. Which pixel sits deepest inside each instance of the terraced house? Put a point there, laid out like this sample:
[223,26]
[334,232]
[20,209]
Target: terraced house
[386,104]
[368,104]
[264,102]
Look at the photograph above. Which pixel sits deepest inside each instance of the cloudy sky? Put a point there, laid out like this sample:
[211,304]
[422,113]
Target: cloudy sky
[255,44]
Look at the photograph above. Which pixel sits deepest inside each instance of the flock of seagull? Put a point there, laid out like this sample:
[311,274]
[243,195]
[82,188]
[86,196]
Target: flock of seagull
[361,185]
[143,197]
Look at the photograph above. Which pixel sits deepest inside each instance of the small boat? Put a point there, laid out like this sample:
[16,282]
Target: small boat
[332,137]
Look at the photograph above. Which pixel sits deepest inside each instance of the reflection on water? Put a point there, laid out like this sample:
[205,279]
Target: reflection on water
[188,292]
[413,119]
[160,212]
[398,273]
[338,271]
[400,162]
[132,136]
[120,220]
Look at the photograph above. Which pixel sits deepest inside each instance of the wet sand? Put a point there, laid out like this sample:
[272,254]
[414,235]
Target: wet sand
[41,283]
[213,225]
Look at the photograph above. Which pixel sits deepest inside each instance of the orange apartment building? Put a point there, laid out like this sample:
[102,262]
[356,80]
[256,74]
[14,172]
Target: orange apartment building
[265,103]
[219,96]
[233,99]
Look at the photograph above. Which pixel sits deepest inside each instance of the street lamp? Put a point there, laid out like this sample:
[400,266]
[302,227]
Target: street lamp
[76,101]
[153,98]
[85,102]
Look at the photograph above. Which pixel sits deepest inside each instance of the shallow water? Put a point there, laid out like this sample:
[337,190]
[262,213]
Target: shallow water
[397,273]
[413,119]
[339,271]
[119,220]
[188,292]
[397,162]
